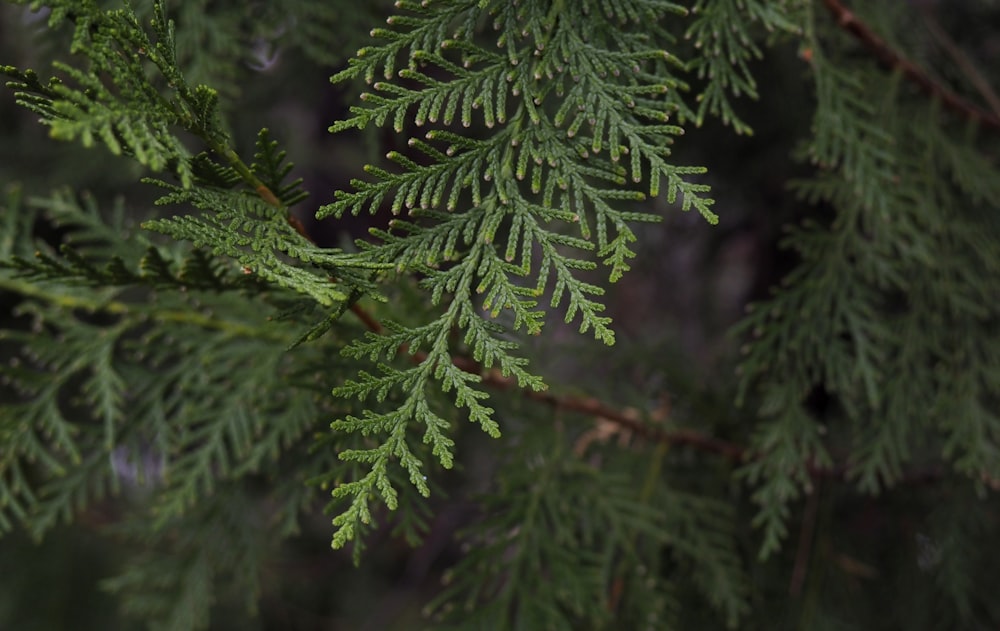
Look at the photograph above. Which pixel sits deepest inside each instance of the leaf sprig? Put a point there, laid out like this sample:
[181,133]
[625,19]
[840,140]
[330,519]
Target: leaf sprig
[520,187]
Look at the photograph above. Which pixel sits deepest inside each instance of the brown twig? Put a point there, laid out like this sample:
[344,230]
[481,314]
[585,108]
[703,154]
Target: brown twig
[593,407]
[494,378]
[587,406]
[966,65]
[887,56]
[597,409]
[806,534]
[367,319]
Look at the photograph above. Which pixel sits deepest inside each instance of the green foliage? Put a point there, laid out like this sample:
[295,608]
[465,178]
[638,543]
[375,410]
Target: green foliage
[174,588]
[564,90]
[896,282]
[722,34]
[549,547]
[133,365]
[244,228]
[133,111]
[170,371]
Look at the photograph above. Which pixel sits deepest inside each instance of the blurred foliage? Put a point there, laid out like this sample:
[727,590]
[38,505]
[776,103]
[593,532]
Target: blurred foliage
[797,423]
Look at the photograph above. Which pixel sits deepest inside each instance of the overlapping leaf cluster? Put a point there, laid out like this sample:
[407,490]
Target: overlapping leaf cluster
[900,279]
[133,97]
[155,371]
[110,386]
[165,381]
[566,545]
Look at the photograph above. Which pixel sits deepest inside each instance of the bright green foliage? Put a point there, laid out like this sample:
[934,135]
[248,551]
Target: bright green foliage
[133,112]
[722,32]
[170,360]
[256,234]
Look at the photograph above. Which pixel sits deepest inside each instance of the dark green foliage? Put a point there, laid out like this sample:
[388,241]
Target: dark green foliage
[892,294]
[187,371]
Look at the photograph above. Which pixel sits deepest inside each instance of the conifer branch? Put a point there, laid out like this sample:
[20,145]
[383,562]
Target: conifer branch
[894,60]
[588,406]
[95,304]
[541,129]
[256,185]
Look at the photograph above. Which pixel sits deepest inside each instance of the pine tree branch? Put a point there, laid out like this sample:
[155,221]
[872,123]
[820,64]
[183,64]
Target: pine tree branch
[848,21]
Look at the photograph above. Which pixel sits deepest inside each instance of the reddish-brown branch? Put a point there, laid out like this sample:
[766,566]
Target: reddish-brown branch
[806,534]
[367,319]
[587,406]
[895,61]
[597,409]
[265,193]
[964,63]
